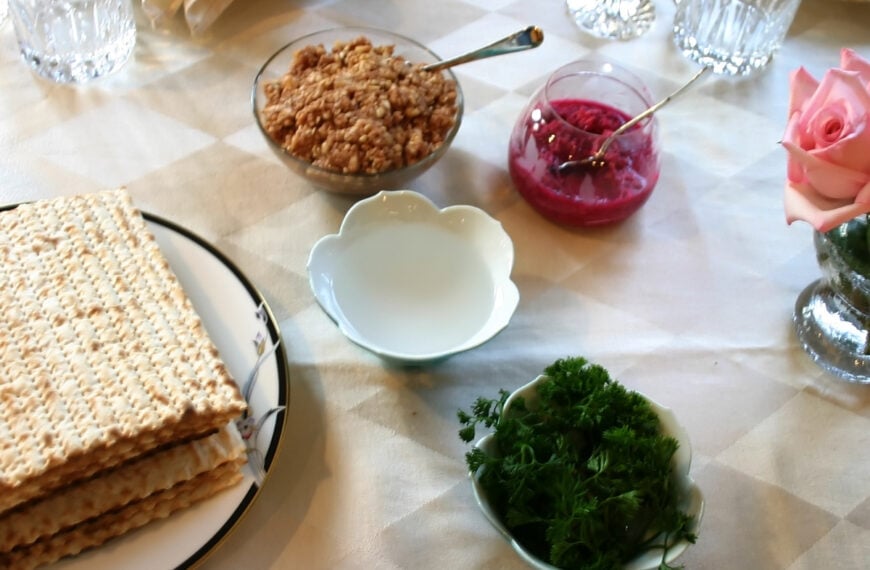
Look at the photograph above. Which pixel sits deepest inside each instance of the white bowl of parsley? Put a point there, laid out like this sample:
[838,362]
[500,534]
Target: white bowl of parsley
[581,473]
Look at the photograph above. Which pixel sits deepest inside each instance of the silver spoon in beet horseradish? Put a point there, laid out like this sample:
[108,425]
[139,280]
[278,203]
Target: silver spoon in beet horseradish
[596,160]
[528,38]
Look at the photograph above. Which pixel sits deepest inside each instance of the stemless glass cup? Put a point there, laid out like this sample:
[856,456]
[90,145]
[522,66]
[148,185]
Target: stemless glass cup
[568,119]
[613,19]
[74,41]
[734,37]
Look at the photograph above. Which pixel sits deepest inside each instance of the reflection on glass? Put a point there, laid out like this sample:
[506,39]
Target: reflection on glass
[613,19]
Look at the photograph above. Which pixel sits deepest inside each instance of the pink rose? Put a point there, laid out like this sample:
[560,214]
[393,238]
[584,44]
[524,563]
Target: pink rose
[828,144]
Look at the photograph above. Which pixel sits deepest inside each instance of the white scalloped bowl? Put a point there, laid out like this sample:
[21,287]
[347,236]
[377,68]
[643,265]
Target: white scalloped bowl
[413,283]
[691,498]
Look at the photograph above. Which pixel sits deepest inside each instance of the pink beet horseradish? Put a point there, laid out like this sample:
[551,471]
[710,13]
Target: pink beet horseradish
[568,119]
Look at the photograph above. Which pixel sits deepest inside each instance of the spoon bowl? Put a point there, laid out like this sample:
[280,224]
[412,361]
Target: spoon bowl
[528,38]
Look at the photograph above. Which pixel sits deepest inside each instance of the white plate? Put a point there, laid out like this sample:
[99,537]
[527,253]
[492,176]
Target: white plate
[413,283]
[235,315]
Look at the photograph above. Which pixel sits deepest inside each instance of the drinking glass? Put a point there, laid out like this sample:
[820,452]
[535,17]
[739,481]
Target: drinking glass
[613,19]
[734,37]
[74,41]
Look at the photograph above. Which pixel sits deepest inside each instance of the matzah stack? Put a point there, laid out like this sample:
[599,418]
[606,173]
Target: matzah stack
[115,407]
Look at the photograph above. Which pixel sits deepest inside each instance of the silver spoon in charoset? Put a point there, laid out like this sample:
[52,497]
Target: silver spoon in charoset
[596,160]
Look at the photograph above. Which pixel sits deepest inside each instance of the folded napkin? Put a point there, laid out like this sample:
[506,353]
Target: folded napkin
[199,14]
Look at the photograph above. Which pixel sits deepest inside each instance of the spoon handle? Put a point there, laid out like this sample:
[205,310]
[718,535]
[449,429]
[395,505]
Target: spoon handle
[650,110]
[524,39]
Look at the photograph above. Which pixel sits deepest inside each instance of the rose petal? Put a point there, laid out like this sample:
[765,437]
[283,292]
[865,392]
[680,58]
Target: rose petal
[802,203]
[829,125]
[803,85]
[795,170]
[841,90]
[839,186]
[852,151]
[830,180]
[841,86]
[851,61]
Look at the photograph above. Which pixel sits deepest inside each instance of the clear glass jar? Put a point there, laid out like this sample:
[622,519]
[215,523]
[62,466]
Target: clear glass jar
[567,119]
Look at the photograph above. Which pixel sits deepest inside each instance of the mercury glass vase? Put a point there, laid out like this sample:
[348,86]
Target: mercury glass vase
[832,314]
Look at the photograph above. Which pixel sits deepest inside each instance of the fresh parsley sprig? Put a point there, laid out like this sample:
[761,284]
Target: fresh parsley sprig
[582,478]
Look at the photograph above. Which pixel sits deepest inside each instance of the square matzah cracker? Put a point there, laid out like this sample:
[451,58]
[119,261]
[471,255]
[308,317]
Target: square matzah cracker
[102,356]
[116,488]
[100,529]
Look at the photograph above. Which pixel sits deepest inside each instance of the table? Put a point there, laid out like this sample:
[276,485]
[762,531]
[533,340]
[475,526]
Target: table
[689,301]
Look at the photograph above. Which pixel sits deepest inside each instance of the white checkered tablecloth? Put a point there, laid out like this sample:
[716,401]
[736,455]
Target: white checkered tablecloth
[689,301]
